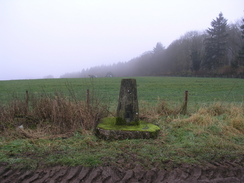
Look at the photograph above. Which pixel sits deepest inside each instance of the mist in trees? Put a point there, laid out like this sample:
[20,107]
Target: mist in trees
[241,51]
[218,51]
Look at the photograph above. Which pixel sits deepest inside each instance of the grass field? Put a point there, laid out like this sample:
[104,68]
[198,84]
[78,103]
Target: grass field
[201,90]
[213,130]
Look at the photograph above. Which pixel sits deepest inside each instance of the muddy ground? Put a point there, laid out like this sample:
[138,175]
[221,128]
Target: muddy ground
[225,172]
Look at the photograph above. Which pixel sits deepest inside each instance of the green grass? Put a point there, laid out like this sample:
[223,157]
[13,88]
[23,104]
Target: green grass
[201,90]
[199,138]
[213,131]
[177,144]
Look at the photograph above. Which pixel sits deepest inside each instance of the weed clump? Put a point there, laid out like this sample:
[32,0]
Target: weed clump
[155,113]
[215,109]
[228,118]
[50,115]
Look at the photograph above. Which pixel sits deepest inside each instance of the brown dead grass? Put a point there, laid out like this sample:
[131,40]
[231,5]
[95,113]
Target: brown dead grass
[50,116]
[154,113]
[60,115]
[229,118]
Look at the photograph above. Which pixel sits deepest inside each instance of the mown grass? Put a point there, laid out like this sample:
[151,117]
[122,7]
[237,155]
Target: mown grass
[212,131]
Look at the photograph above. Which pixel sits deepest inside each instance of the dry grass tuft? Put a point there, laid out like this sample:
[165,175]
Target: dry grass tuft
[237,122]
[235,117]
[199,119]
[39,133]
[154,113]
[50,115]
[228,118]
[216,109]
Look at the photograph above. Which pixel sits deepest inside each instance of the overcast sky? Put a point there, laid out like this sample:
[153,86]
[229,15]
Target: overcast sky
[54,37]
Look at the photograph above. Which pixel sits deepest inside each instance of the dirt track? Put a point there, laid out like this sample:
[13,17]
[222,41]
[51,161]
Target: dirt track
[224,172]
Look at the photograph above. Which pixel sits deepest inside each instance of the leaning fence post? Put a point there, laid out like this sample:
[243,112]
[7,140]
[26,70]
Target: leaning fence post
[184,107]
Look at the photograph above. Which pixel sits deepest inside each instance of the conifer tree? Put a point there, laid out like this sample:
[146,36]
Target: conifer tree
[216,43]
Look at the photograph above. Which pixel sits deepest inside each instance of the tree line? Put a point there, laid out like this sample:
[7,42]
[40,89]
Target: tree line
[216,52]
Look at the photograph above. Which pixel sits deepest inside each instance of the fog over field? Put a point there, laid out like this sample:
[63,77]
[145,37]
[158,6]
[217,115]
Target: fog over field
[49,38]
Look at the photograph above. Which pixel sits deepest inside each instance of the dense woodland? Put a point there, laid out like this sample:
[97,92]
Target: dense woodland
[216,52]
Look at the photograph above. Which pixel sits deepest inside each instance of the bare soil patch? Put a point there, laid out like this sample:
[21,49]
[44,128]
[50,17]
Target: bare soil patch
[225,172]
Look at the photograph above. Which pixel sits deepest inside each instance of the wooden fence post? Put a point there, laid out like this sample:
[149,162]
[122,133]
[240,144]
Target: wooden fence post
[184,107]
[88,97]
[26,101]
[186,97]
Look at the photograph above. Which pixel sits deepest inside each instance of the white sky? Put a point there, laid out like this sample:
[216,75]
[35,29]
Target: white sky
[54,37]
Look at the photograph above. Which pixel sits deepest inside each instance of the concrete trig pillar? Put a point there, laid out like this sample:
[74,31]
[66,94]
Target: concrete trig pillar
[127,110]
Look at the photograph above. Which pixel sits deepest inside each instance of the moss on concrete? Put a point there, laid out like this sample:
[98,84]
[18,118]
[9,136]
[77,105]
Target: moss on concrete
[120,121]
[109,130]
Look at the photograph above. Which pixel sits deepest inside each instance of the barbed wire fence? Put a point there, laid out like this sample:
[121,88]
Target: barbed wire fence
[90,95]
